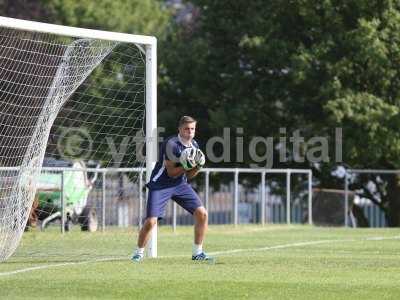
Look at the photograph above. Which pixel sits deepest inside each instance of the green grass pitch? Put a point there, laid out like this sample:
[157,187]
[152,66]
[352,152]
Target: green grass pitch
[253,262]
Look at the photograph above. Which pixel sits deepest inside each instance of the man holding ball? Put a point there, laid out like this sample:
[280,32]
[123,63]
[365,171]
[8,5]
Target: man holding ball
[179,159]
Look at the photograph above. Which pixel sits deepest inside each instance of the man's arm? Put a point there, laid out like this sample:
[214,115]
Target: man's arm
[193,172]
[174,171]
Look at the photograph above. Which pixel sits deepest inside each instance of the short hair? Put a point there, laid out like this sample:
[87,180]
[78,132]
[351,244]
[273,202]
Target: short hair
[186,119]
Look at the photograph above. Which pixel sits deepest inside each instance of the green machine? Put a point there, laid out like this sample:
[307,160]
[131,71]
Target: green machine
[76,188]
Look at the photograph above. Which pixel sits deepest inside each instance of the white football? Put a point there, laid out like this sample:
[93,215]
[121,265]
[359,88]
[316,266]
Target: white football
[187,158]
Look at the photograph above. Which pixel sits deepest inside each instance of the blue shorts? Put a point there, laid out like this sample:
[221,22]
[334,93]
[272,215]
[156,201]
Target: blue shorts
[183,194]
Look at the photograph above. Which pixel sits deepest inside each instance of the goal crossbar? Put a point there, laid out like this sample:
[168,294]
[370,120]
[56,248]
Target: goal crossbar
[76,32]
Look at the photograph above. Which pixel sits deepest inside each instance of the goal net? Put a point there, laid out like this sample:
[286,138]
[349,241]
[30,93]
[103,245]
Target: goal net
[68,95]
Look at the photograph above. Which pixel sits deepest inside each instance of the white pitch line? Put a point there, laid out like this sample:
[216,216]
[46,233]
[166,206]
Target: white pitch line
[233,251]
[57,265]
[381,238]
[283,246]
[298,244]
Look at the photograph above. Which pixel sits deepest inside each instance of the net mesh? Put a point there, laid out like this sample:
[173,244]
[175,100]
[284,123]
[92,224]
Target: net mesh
[63,101]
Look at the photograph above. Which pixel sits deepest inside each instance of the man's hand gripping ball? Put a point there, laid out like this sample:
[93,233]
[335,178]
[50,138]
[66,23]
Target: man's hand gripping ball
[200,158]
[187,158]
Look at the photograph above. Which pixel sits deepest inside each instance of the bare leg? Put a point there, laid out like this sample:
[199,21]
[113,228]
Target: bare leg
[144,233]
[200,225]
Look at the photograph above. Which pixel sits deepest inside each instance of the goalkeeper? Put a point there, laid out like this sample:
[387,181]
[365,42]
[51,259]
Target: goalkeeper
[179,159]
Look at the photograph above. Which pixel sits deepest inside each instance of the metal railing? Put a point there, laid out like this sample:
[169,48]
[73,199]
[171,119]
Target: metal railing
[264,175]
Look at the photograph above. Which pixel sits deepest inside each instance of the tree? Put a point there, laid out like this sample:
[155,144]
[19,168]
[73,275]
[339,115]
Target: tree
[23,9]
[135,16]
[309,65]
[148,17]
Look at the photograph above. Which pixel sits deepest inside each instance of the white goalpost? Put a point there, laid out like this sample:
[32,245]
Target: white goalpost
[57,81]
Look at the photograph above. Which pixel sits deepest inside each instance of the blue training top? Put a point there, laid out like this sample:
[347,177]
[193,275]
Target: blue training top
[170,149]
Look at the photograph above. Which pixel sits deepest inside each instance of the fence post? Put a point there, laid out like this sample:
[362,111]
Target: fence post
[263,202]
[174,216]
[236,199]
[103,202]
[288,196]
[62,203]
[207,189]
[346,199]
[310,221]
[140,199]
